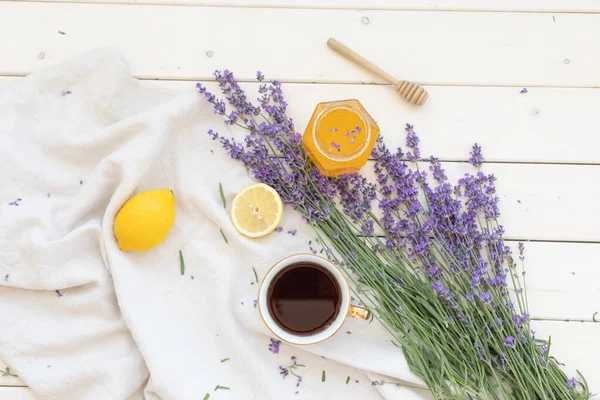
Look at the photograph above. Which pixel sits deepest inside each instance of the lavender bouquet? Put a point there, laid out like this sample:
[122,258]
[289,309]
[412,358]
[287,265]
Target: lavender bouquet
[427,256]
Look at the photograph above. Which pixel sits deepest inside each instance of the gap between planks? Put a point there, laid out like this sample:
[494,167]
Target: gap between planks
[206,79]
[282,5]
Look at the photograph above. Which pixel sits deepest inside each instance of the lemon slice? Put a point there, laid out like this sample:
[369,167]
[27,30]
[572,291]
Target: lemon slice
[257,210]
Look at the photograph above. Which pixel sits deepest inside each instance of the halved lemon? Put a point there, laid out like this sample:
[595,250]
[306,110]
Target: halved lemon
[257,210]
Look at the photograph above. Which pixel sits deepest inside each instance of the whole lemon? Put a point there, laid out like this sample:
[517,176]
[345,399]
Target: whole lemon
[145,220]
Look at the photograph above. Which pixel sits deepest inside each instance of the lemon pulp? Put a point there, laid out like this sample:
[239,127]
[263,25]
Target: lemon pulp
[257,210]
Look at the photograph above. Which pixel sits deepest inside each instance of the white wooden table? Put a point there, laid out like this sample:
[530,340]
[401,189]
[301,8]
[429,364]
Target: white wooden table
[473,56]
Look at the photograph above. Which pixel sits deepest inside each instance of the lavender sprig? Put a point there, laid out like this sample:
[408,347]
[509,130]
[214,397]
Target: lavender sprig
[427,256]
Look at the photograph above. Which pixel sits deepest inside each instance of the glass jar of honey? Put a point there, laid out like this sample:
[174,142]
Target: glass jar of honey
[339,137]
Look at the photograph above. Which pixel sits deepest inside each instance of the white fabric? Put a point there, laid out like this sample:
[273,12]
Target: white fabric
[129,326]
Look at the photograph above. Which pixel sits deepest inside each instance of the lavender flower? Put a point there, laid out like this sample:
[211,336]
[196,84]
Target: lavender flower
[259,76]
[412,142]
[476,159]
[485,297]
[521,251]
[377,383]
[63,93]
[274,345]
[520,320]
[214,135]
[15,202]
[524,90]
[571,383]
[510,342]
[293,232]
[336,146]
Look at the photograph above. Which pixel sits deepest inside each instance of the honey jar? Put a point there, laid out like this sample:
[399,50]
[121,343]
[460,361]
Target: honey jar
[339,137]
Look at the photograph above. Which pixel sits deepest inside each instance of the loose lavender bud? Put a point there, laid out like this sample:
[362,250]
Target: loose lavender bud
[274,345]
[283,371]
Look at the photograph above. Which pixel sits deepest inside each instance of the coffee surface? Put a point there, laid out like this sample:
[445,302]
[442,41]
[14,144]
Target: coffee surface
[304,298]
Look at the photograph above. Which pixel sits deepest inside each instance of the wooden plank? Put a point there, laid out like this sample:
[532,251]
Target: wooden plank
[576,345]
[510,126]
[558,6]
[540,201]
[8,380]
[469,48]
[16,393]
[562,280]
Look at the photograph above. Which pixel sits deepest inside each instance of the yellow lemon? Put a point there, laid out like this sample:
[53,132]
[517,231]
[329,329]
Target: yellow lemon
[145,220]
[257,210]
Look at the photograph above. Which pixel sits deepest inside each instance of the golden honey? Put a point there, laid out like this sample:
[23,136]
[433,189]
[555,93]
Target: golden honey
[339,137]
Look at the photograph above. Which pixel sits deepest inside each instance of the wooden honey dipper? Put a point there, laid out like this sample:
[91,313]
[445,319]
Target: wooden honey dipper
[412,92]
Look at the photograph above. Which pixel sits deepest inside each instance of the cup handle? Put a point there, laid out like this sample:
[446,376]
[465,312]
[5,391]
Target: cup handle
[359,312]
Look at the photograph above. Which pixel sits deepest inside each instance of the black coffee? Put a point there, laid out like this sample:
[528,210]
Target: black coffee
[304,298]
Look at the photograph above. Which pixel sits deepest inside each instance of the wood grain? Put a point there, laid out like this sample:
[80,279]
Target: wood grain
[462,48]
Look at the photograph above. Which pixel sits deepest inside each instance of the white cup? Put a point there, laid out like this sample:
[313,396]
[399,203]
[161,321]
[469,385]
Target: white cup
[346,309]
